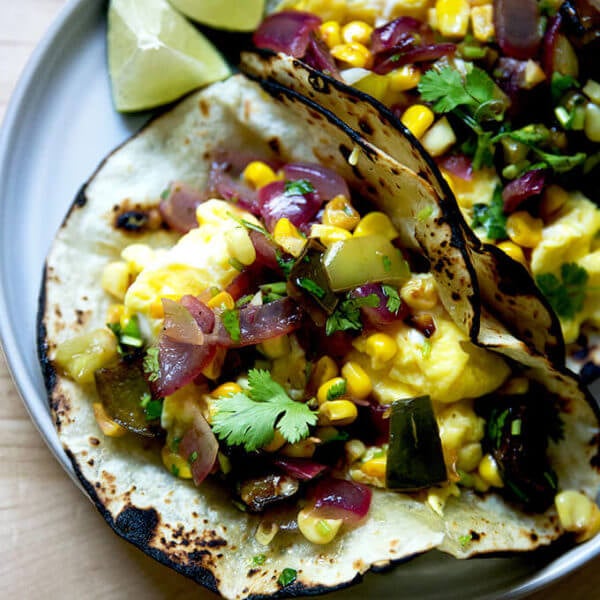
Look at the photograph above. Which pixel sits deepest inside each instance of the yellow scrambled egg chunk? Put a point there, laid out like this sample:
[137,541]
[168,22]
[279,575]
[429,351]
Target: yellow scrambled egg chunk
[447,366]
[201,259]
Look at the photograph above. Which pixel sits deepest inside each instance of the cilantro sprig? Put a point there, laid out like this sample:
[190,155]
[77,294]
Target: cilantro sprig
[567,294]
[250,419]
[346,316]
[491,217]
[299,187]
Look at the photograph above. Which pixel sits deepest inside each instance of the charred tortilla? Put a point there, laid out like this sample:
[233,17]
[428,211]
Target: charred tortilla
[198,531]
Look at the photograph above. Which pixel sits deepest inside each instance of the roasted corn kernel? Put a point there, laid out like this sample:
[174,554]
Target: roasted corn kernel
[489,471]
[108,427]
[578,513]
[381,348]
[338,212]
[373,84]
[482,22]
[376,223]
[302,449]
[226,389]
[357,31]
[403,79]
[258,174]
[375,467]
[514,251]
[223,300]
[337,412]
[354,449]
[325,369]
[288,237]
[316,529]
[453,17]
[417,119]
[523,229]
[330,389]
[79,357]
[358,383]
[175,464]
[353,54]
[276,443]
[554,198]
[116,279]
[275,347]
[331,33]
[329,234]
[420,293]
[240,245]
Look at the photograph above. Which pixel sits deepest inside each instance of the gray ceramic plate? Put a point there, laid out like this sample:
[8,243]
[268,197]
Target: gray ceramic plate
[59,126]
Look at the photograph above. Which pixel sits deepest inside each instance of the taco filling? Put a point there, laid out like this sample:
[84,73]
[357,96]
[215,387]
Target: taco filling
[251,322]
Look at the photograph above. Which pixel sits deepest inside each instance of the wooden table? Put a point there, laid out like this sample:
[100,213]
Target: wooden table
[53,544]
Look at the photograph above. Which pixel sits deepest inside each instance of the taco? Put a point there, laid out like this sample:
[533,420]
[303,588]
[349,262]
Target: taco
[492,103]
[286,395]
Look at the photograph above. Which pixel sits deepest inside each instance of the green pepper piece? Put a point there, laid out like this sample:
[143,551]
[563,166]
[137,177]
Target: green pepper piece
[366,259]
[122,389]
[415,459]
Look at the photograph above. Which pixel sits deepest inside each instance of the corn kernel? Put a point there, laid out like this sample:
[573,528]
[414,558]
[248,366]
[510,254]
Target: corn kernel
[240,245]
[420,293]
[452,17]
[376,223]
[137,257]
[114,313]
[554,198]
[357,31]
[276,443]
[288,237]
[514,251]
[358,383]
[592,122]
[214,367]
[329,234]
[375,467]
[275,347]
[258,174]
[354,450]
[417,119]
[592,90]
[469,457]
[381,348]
[331,33]
[108,427]
[373,84]
[482,22]
[316,529]
[325,369]
[302,449]
[578,513]
[226,389]
[266,532]
[523,229]
[353,54]
[403,79]
[489,471]
[329,388]
[116,279]
[337,412]
[176,464]
[338,212]
[79,357]
[223,300]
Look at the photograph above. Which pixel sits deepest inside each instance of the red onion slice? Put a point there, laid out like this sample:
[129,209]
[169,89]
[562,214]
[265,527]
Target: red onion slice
[199,447]
[301,468]
[397,32]
[287,31]
[178,209]
[318,57]
[267,321]
[327,183]
[179,325]
[232,189]
[386,62]
[342,499]
[526,186]
[277,203]
[517,27]
[457,164]
[378,316]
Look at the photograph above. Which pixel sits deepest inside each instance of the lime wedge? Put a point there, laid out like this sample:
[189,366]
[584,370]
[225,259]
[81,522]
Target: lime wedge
[223,14]
[155,56]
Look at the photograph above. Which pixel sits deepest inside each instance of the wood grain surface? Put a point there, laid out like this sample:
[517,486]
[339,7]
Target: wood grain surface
[53,544]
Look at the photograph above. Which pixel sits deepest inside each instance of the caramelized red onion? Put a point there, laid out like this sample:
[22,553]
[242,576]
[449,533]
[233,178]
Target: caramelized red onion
[386,62]
[180,325]
[231,188]
[341,499]
[199,447]
[526,186]
[178,209]
[397,32]
[378,316]
[457,164]
[277,203]
[303,469]
[327,183]
[517,24]
[288,31]
[318,57]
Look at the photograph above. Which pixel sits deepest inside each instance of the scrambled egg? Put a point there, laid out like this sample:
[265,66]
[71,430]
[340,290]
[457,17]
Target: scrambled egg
[200,260]
[572,238]
[447,367]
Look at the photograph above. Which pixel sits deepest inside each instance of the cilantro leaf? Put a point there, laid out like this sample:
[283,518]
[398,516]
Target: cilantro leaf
[287,576]
[231,322]
[250,420]
[152,408]
[298,187]
[558,162]
[346,316]
[560,84]
[394,301]
[336,390]
[151,364]
[129,337]
[491,217]
[285,264]
[567,294]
